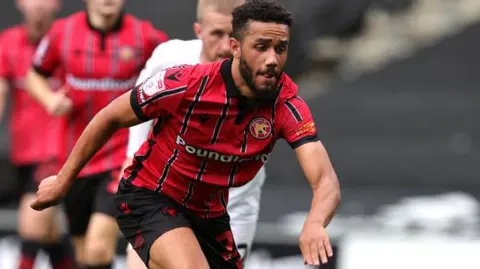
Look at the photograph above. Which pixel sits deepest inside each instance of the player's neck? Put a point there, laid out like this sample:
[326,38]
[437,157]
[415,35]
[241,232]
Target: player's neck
[34,37]
[101,22]
[239,81]
[203,58]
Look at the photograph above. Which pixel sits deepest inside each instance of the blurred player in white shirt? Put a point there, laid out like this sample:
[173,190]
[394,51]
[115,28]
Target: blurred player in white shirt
[213,29]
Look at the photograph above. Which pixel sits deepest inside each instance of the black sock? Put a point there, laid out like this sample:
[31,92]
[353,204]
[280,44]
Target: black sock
[28,253]
[61,254]
[105,266]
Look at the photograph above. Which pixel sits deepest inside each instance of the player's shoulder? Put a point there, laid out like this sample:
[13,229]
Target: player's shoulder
[147,26]
[13,34]
[210,70]
[182,45]
[80,16]
[195,74]
[176,51]
[130,19]
[59,25]
[288,88]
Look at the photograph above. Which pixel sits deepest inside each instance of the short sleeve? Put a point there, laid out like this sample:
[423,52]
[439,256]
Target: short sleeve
[160,94]
[47,56]
[5,72]
[298,126]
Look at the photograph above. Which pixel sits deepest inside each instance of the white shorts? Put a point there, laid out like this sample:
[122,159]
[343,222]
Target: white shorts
[244,208]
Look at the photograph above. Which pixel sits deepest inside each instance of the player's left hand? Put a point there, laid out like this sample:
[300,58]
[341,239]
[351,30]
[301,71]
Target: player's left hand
[314,243]
[50,192]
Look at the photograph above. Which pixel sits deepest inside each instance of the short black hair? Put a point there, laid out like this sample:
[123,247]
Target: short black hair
[261,11]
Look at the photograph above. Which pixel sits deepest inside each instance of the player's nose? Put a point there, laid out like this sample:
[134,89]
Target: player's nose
[225,44]
[271,59]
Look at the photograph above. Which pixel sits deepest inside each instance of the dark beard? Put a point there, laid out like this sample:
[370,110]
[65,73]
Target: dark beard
[247,74]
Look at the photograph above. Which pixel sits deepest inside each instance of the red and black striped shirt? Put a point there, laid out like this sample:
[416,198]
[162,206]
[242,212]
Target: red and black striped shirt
[34,134]
[99,67]
[206,137]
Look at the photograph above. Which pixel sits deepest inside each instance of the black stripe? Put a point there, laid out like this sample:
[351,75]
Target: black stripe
[136,106]
[294,111]
[193,104]
[245,137]
[304,140]
[222,199]
[201,171]
[163,94]
[166,169]
[231,177]
[274,110]
[189,193]
[192,183]
[220,121]
[141,158]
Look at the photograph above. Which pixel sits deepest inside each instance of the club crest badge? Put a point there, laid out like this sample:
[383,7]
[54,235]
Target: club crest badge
[260,128]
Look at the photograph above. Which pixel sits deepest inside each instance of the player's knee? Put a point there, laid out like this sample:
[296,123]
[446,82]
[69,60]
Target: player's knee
[99,252]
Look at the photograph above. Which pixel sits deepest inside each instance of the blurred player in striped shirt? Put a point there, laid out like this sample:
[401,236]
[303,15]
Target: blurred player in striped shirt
[33,133]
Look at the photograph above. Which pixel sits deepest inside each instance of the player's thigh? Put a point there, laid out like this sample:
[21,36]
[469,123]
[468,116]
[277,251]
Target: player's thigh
[101,239]
[158,229]
[217,243]
[177,248]
[133,260]
[37,225]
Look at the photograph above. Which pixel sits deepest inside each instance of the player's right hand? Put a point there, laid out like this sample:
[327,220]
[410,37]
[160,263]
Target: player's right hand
[50,193]
[59,104]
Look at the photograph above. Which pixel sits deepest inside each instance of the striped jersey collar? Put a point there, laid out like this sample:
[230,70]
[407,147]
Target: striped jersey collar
[226,71]
[117,26]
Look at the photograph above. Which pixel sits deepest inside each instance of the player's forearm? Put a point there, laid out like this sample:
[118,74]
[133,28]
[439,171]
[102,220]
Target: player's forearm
[38,87]
[116,115]
[97,133]
[326,198]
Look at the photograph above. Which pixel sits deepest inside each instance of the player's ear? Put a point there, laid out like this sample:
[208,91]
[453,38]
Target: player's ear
[235,47]
[197,29]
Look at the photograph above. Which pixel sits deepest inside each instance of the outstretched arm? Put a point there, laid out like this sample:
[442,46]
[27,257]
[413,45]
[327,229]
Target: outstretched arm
[314,241]
[318,170]
[118,114]
[154,98]
[300,132]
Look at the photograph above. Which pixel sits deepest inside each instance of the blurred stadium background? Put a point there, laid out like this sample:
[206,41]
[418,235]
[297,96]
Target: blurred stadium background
[394,86]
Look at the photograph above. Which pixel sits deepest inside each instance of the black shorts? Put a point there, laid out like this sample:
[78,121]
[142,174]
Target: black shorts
[30,175]
[88,195]
[144,215]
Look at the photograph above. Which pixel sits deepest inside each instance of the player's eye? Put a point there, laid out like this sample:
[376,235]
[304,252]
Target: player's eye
[280,50]
[261,47]
[218,33]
